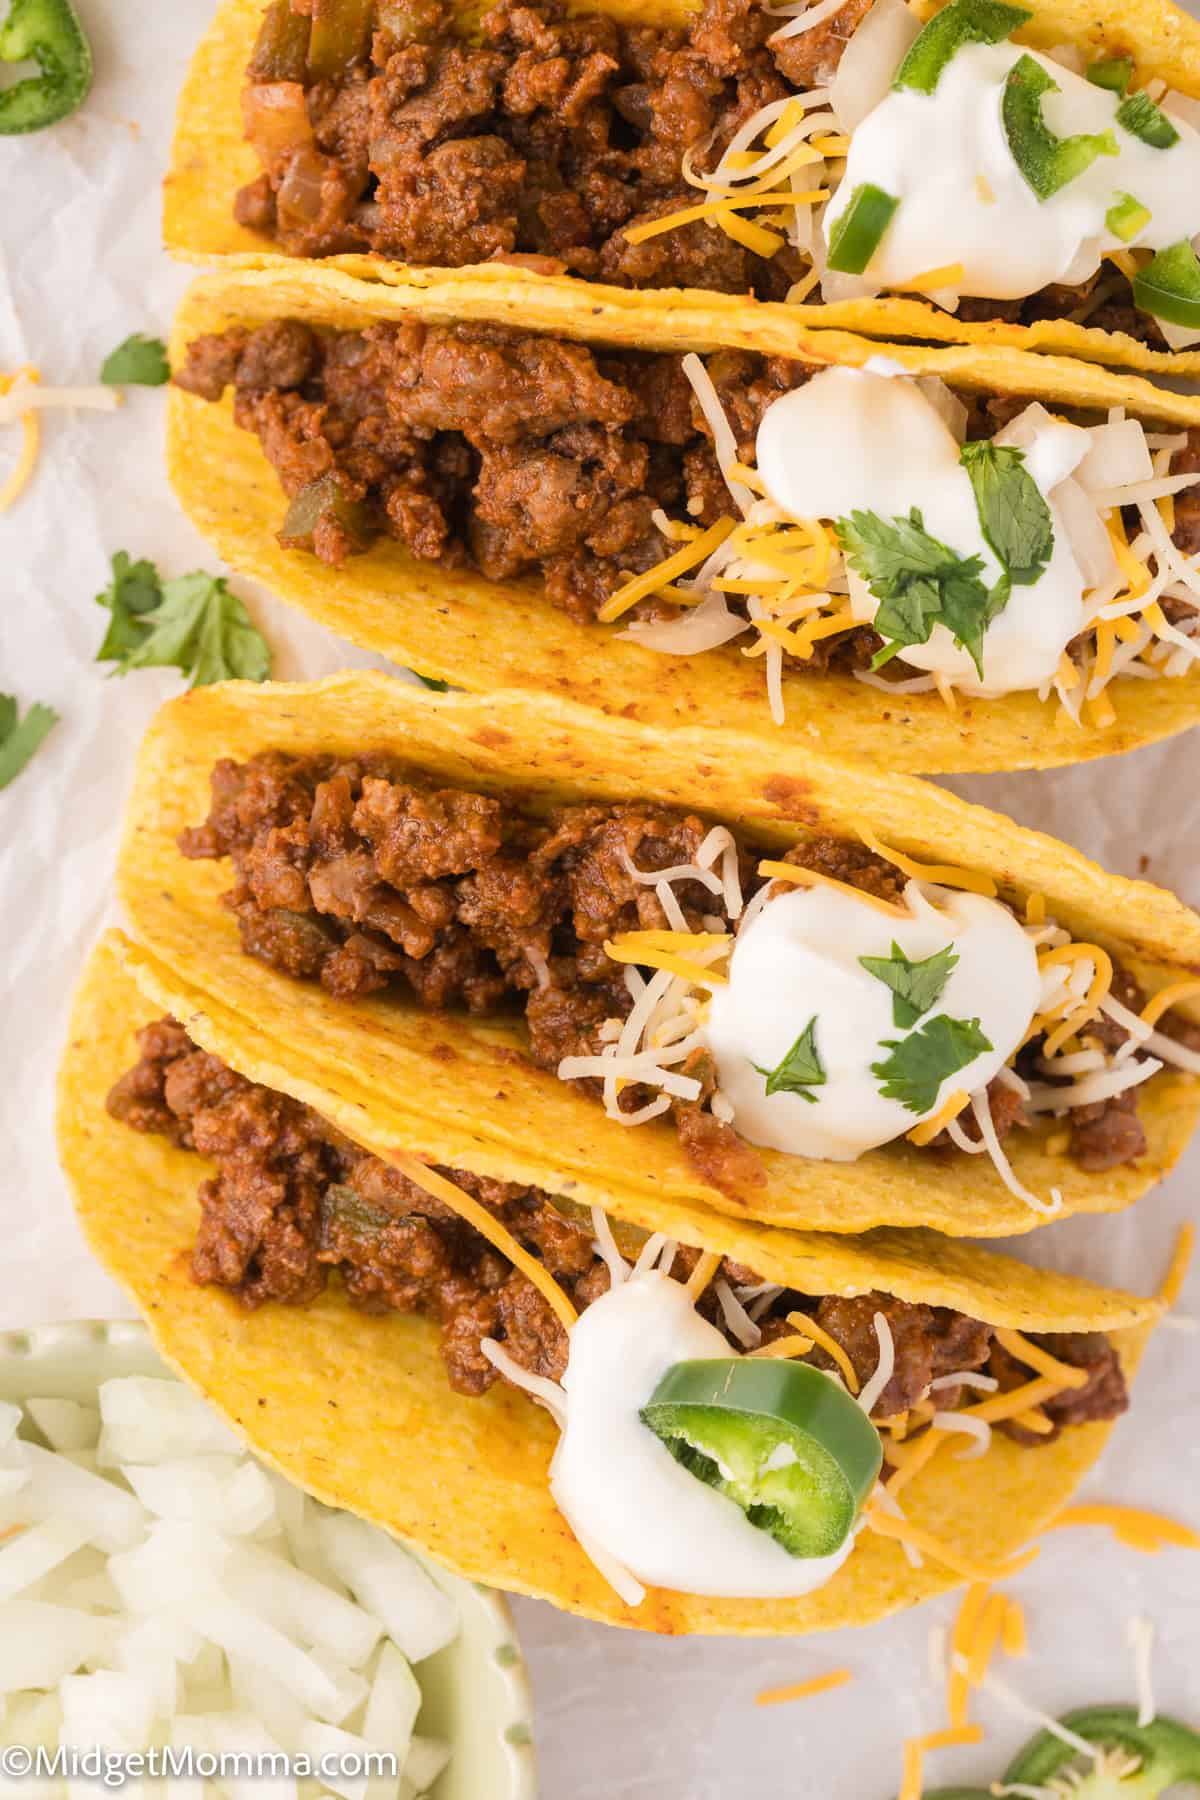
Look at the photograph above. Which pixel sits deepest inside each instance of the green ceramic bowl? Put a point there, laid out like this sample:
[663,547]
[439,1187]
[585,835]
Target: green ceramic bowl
[476,1690]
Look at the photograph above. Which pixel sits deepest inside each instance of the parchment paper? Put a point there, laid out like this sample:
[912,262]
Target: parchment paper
[619,1714]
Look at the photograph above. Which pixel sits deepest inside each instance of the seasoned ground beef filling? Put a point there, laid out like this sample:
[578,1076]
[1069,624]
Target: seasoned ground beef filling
[293,1202]
[360,875]
[543,138]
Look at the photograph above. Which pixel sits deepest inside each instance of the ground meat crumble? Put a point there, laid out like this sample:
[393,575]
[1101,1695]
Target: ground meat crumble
[362,875]
[294,1202]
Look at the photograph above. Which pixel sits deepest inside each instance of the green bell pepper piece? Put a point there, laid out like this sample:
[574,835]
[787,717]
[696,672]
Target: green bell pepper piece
[962,22]
[1112,72]
[48,33]
[859,231]
[1126,217]
[1169,286]
[1166,1751]
[1047,162]
[779,1438]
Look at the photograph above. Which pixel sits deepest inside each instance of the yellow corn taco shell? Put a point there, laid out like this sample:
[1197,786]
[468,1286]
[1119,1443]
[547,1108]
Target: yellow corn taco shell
[457,626]
[337,1401]
[532,1125]
[210,161]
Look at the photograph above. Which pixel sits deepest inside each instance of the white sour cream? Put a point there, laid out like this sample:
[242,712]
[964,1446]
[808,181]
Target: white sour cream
[855,440]
[623,1491]
[799,958]
[963,199]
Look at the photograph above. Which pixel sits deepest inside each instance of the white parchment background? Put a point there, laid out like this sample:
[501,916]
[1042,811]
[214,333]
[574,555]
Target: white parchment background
[620,1713]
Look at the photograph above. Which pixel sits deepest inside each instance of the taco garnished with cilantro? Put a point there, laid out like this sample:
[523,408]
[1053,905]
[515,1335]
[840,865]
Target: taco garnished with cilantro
[954,559]
[790,989]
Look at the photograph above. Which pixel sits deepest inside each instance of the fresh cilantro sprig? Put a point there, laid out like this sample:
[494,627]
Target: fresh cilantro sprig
[920,582]
[919,1063]
[19,738]
[915,985]
[194,624]
[1012,510]
[800,1070]
[140,361]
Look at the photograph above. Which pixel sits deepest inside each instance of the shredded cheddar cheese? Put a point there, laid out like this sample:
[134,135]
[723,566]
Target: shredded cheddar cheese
[1013,1637]
[803,1690]
[987,1636]
[1066,1374]
[962,1640]
[488,1226]
[1166,998]
[1132,1526]
[781,871]
[783,1347]
[677,564]
[915,1751]
[1035,909]
[948,275]
[905,1532]
[31,438]
[702,1274]
[830,1345]
[916,1457]
[925,1134]
[942,874]
[656,950]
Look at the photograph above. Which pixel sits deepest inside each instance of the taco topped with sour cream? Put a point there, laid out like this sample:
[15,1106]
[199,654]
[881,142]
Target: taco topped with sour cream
[850,535]
[1031,174]
[736,1429]
[807,1024]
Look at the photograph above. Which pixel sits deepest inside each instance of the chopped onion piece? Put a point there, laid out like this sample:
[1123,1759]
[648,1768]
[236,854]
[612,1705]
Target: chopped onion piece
[870,60]
[1119,454]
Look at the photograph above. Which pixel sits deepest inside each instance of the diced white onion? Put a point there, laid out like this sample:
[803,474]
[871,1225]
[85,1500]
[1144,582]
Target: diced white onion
[1118,454]
[944,401]
[870,60]
[1085,530]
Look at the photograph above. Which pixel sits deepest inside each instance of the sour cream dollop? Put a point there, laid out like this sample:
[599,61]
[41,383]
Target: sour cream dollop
[799,959]
[623,1491]
[855,440]
[963,199]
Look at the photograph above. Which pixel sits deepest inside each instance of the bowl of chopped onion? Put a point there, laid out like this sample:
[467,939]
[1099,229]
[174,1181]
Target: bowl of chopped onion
[165,1597]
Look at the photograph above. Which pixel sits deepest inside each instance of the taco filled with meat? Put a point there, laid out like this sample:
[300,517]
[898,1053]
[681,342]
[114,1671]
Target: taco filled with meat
[648,1413]
[958,560]
[986,173]
[797,991]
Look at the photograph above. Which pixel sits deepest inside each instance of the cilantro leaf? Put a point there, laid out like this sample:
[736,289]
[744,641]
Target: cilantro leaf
[800,1069]
[1012,510]
[139,362]
[134,590]
[919,582]
[194,624]
[18,741]
[919,1063]
[915,985]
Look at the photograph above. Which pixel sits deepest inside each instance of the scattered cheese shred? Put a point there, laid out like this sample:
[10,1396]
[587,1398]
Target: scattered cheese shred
[948,275]
[962,1640]
[905,1532]
[943,874]
[914,1458]
[804,1690]
[702,1274]
[488,1226]
[781,871]
[819,1335]
[31,440]
[1132,1526]
[783,1347]
[655,950]
[987,1636]
[925,1134]
[1177,1269]
[1035,909]
[1097,992]
[1033,1355]
[1013,1636]
[915,1751]
[677,564]
[1166,998]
